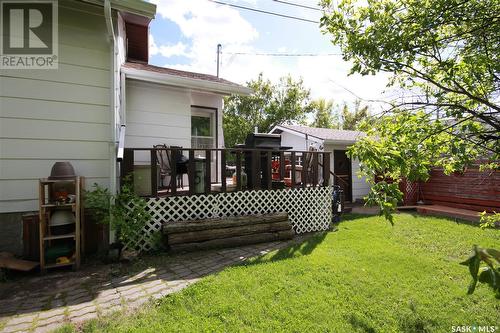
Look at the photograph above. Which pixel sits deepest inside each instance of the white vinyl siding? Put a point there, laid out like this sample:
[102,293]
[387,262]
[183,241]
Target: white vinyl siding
[360,187]
[294,141]
[57,115]
[158,114]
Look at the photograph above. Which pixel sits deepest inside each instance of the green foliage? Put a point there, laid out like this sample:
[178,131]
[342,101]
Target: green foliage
[490,220]
[489,273]
[444,55]
[269,105]
[126,212]
[130,214]
[353,120]
[98,201]
[386,196]
[324,114]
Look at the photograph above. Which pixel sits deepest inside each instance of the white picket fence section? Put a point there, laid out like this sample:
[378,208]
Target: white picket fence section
[309,209]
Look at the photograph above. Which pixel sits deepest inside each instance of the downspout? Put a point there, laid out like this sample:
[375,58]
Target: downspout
[112,40]
[113,102]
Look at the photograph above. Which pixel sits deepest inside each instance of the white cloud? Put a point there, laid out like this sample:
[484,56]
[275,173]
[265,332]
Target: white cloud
[178,49]
[206,24]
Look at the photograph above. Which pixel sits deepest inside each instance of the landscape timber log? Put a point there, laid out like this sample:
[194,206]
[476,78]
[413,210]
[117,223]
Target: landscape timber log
[234,241]
[227,232]
[203,235]
[208,224]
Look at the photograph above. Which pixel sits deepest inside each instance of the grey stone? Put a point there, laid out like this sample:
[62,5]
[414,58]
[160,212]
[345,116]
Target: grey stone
[51,313]
[82,312]
[51,320]
[18,327]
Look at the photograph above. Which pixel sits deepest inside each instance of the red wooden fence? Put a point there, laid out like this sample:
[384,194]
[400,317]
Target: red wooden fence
[472,189]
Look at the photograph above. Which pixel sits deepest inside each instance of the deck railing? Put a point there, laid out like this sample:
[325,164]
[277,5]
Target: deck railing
[206,170]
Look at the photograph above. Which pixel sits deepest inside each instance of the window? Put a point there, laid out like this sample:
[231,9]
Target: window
[203,125]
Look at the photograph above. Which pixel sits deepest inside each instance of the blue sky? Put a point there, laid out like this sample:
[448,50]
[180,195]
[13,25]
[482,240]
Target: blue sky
[185,33]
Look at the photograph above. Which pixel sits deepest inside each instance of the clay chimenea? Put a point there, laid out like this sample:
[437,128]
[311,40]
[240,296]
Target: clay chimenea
[62,170]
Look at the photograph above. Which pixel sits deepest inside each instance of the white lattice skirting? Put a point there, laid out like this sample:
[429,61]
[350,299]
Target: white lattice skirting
[309,209]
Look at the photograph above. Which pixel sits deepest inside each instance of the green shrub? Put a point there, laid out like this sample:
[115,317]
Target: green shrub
[125,212]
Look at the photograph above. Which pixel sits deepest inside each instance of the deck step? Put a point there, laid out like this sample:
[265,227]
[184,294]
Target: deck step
[464,214]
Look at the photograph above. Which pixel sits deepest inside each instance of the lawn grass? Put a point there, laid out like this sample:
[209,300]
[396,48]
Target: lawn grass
[368,276]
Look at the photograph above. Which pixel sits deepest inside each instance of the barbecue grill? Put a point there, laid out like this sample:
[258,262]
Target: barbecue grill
[266,142]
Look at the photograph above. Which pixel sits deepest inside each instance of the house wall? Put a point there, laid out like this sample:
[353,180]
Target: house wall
[159,114]
[56,115]
[294,141]
[360,187]
[298,142]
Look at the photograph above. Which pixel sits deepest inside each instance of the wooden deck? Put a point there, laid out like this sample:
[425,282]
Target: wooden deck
[206,171]
[440,210]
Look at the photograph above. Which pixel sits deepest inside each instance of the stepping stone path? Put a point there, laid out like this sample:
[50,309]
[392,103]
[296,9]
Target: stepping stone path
[45,303]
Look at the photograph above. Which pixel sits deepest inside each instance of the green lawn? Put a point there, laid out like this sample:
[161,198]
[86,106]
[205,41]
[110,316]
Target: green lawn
[366,277]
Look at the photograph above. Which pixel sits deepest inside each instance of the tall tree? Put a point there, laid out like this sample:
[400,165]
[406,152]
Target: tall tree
[271,103]
[445,55]
[324,114]
[352,120]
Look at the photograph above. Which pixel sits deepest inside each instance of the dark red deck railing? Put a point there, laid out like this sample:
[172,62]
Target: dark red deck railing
[265,169]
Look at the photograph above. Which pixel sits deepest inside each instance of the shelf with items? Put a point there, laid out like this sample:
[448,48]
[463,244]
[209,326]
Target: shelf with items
[61,222]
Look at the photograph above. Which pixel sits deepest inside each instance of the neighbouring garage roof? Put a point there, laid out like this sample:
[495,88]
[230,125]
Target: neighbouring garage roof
[326,134]
[180,78]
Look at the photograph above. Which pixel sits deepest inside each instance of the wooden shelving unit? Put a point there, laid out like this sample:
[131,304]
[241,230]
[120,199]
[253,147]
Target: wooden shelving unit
[48,204]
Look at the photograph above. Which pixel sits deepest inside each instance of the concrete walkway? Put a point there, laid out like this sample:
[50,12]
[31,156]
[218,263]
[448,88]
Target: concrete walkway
[44,303]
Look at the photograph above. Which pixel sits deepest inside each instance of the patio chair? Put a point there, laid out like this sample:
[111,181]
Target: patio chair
[164,158]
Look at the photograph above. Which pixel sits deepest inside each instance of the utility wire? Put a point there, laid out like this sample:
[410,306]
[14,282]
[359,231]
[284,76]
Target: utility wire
[285,54]
[299,5]
[264,11]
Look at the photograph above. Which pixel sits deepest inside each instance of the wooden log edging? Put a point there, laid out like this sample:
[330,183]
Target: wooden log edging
[225,222]
[234,241]
[227,232]
[198,236]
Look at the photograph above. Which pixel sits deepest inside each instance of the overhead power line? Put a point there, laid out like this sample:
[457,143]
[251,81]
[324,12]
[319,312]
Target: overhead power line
[285,54]
[264,12]
[299,5]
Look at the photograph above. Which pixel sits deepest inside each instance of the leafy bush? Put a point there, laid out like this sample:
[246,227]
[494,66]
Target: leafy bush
[130,215]
[126,212]
[98,201]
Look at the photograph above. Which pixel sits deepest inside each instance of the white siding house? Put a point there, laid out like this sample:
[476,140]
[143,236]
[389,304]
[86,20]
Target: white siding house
[74,113]
[52,115]
[331,140]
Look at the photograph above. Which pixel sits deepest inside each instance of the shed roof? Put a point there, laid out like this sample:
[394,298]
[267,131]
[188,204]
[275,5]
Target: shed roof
[326,134]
